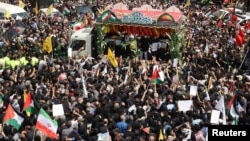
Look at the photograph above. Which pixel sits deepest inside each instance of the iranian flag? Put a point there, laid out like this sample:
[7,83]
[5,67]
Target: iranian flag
[155,78]
[46,125]
[12,118]
[66,11]
[29,104]
[108,15]
[77,26]
[105,16]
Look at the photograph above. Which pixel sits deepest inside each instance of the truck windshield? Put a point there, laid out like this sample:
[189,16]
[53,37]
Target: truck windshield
[77,44]
[24,15]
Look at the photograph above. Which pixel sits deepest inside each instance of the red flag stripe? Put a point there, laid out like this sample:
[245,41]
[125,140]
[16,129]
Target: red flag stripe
[231,101]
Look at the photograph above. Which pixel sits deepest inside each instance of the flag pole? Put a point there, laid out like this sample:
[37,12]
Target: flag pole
[52,56]
[244,59]
[52,51]
[34,135]
[143,96]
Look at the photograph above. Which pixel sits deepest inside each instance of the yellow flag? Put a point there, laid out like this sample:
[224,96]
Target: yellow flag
[47,44]
[36,8]
[24,100]
[111,58]
[188,16]
[189,42]
[209,83]
[100,10]
[161,137]
[221,15]
[231,4]
[187,4]
[8,14]
[21,4]
[49,10]
[85,21]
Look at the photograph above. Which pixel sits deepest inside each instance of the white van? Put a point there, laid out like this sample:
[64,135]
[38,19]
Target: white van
[14,11]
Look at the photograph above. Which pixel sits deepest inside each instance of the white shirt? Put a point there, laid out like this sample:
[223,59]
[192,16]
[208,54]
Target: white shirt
[154,46]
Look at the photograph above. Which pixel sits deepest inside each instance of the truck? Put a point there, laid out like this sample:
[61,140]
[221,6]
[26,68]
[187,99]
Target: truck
[84,42]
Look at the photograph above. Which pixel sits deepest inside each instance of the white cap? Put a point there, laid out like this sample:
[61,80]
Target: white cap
[78,79]
[240,77]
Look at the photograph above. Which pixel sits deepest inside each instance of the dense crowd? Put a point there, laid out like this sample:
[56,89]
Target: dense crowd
[122,102]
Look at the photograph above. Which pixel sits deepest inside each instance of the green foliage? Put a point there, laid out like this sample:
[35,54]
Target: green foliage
[176,43]
[100,39]
[135,52]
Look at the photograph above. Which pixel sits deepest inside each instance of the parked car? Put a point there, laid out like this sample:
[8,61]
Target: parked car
[55,12]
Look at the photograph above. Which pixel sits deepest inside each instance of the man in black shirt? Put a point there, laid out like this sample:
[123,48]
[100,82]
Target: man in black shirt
[144,46]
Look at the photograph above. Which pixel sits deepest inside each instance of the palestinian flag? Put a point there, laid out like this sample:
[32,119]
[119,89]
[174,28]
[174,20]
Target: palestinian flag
[146,130]
[12,118]
[155,78]
[231,89]
[66,11]
[232,107]
[231,101]
[29,104]
[77,26]
[46,125]
[112,17]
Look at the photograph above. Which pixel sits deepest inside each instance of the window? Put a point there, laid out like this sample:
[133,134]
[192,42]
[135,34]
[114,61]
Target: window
[77,44]
[217,14]
[226,16]
[23,15]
